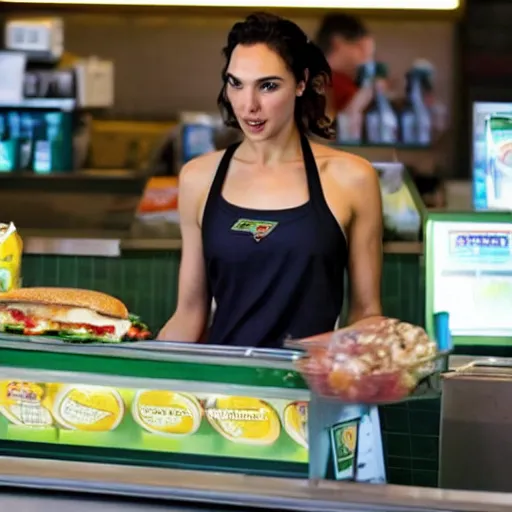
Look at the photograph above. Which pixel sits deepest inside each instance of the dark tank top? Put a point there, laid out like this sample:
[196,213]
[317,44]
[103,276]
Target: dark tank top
[274,274]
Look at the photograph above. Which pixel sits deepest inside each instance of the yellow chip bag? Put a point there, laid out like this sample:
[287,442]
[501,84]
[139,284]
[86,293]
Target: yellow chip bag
[11,249]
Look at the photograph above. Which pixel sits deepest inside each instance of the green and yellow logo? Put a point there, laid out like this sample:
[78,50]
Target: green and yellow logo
[259,229]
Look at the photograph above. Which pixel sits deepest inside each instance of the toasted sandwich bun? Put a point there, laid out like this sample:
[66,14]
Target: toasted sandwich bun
[70,297]
[71,313]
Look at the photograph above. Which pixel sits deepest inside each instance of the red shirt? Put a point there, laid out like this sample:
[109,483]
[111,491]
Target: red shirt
[343,90]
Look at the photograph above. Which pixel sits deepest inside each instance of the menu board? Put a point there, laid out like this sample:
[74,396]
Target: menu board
[472,272]
[154,420]
[492,156]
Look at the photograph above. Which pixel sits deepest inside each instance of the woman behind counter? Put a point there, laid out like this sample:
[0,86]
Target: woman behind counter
[270,224]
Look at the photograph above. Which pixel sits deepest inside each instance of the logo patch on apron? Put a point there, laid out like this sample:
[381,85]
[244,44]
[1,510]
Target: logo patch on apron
[259,229]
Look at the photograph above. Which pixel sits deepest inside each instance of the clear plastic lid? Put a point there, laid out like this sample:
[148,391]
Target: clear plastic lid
[377,361]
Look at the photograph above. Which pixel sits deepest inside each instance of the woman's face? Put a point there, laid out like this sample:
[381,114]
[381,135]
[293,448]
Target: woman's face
[261,90]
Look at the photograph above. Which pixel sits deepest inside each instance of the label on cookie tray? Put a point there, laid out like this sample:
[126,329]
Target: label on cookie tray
[244,420]
[88,408]
[198,424]
[167,413]
[25,404]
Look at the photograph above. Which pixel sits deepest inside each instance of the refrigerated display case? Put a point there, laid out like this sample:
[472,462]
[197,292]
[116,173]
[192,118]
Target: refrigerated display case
[468,266]
[155,404]
[185,406]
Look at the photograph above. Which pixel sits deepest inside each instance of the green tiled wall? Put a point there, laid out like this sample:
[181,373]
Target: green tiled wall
[403,287]
[411,442]
[410,430]
[146,282]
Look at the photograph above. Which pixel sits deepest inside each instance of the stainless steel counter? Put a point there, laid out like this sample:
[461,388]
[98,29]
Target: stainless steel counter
[476,421]
[34,501]
[189,489]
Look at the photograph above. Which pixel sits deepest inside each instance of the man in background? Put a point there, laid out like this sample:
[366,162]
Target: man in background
[347,45]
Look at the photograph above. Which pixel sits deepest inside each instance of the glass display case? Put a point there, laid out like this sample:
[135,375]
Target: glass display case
[153,403]
[468,264]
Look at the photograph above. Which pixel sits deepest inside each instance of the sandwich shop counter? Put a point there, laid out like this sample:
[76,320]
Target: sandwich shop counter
[182,406]
[187,427]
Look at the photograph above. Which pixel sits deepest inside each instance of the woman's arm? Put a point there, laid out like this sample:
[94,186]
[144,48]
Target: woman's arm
[189,320]
[365,244]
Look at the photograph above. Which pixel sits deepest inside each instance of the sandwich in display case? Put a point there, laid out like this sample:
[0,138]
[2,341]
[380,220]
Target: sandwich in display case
[468,260]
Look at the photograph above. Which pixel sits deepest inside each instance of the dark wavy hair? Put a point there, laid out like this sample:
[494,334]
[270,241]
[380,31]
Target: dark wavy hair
[302,57]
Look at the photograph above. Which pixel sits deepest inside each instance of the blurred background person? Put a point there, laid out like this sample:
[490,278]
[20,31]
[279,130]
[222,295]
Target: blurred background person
[347,45]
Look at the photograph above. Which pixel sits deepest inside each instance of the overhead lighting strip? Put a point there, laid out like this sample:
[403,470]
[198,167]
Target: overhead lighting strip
[406,5]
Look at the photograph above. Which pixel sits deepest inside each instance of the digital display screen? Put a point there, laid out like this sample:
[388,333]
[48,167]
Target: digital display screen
[472,265]
[492,156]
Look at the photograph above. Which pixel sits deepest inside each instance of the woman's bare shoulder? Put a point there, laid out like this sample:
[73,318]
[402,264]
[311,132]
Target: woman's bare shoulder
[344,166]
[203,166]
[197,174]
